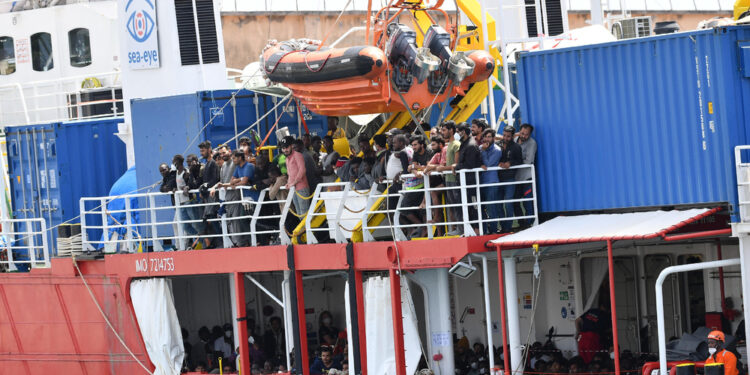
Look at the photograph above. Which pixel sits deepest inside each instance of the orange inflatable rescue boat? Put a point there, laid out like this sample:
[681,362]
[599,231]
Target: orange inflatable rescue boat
[386,77]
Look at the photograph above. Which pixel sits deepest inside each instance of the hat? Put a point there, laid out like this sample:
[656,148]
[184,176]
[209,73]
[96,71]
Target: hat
[716,335]
[509,128]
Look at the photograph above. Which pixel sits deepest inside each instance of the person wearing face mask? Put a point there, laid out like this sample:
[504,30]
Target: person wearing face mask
[717,353]
[224,344]
[325,326]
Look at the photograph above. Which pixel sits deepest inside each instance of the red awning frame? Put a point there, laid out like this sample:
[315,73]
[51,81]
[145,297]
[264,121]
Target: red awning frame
[663,234]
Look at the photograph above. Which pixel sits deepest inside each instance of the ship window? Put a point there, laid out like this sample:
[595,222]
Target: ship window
[80,47]
[209,44]
[7,56]
[41,52]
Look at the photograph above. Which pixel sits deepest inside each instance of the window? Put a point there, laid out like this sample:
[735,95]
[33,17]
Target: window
[7,56]
[80,47]
[187,35]
[41,52]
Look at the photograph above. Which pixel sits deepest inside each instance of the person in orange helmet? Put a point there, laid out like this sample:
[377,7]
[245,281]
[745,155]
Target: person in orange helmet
[717,353]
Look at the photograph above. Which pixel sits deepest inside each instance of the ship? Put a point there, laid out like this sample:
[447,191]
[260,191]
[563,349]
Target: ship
[637,201]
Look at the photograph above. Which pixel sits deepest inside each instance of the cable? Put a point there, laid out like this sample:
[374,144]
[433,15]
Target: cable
[260,119]
[109,324]
[221,110]
[69,221]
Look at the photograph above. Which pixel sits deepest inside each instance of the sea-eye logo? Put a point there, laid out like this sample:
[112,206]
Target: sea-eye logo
[140,22]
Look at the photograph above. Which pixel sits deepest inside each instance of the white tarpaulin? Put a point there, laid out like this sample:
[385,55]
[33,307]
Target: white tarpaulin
[600,227]
[351,214]
[381,356]
[160,329]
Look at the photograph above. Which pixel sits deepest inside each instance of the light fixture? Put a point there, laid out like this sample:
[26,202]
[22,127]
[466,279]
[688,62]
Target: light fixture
[462,270]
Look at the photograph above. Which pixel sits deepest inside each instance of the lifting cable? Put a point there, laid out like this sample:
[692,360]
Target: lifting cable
[104,316]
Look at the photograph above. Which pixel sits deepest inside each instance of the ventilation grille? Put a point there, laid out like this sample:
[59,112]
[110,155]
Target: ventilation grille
[554,18]
[187,35]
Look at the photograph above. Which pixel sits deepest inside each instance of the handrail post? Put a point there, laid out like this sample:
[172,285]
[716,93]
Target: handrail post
[155,242]
[397,230]
[85,245]
[10,245]
[225,228]
[254,219]
[311,214]
[428,206]
[468,230]
[105,226]
[479,202]
[340,237]
[45,245]
[178,219]
[128,224]
[283,236]
[533,194]
[31,234]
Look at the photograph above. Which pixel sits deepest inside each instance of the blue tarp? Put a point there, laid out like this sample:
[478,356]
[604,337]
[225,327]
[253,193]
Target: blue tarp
[124,185]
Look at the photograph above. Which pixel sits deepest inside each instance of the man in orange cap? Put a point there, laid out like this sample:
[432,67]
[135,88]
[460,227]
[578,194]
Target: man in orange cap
[717,353]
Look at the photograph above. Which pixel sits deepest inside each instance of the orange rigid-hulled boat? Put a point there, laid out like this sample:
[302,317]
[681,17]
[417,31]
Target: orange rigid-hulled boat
[387,76]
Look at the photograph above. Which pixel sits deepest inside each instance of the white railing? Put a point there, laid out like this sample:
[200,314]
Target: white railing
[157,219]
[24,246]
[59,99]
[462,223]
[743,182]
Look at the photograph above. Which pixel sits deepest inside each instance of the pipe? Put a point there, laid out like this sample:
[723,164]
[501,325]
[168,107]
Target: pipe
[487,309]
[514,330]
[298,315]
[690,236]
[503,318]
[721,276]
[660,300]
[239,290]
[613,307]
[353,316]
[398,322]
[367,26]
[359,288]
[268,292]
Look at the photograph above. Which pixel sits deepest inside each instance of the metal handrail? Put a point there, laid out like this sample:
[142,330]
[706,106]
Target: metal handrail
[48,100]
[742,171]
[465,204]
[38,254]
[150,227]
[147,230]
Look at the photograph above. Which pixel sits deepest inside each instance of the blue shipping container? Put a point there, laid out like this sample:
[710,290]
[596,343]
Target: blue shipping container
[51,166]
[163,127]
[647,122]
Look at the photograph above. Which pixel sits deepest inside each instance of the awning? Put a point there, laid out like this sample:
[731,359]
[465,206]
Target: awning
[604,227]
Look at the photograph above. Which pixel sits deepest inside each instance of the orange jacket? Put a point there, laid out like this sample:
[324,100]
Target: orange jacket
[728,359]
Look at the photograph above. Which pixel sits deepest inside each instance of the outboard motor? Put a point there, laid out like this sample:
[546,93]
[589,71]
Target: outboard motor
[407,59]
[456,66]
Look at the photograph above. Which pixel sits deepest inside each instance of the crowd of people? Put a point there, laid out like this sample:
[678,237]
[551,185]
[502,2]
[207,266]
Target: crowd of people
[214,352]
[398,161]
[547,359]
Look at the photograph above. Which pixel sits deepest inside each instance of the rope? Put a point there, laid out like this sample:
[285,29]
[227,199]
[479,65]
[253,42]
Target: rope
[363,192]
[109,324]
[352,211]
[221,110]
[302,196]
[69,221]
[332,26]
[346,229]
[274,126]
[260,119]
[140,238]
[291,211]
